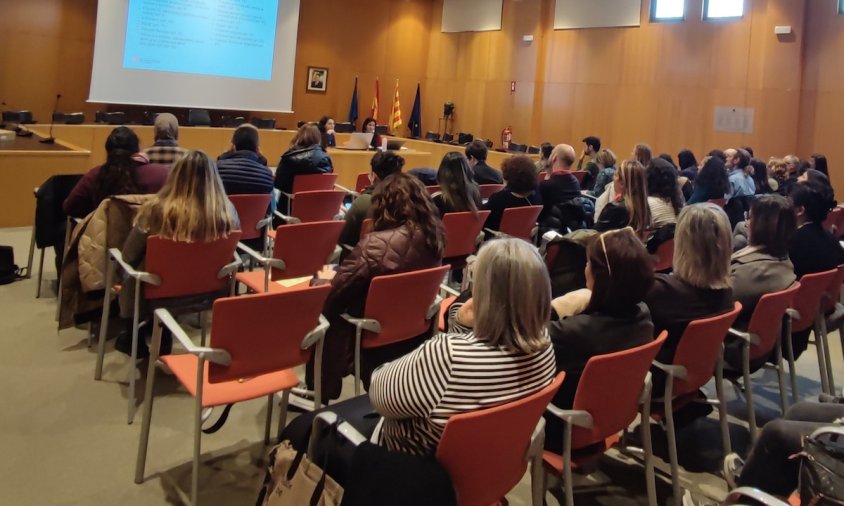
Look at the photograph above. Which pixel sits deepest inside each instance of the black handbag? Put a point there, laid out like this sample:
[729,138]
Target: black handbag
[8,270]
[822,469]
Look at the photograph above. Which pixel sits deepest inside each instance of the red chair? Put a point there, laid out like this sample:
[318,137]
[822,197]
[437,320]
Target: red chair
[398,307]
[254,216]
[664,256]
[299,250]
[594,423]
[309,183]
[174,270]
[487,190]
[432,189]
[833,312]
[580,175]
[482,465]
[462,232]
[253,356]
[322,205]
[764,335]
[518,222]
[834,220]
[698,355]
[362,182]
[807,313]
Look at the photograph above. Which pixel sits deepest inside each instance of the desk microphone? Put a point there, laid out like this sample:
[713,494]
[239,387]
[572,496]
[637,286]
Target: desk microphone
[50,139]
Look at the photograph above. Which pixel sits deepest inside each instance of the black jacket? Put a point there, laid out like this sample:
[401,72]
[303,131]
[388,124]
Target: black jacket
[244,172]
[484,174]
[297,161]
[559,188]
[812,249]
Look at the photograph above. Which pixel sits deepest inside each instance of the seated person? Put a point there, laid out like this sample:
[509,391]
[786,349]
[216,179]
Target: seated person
[125,172]
[544,158]
[665,199]
[520,175]
[192,207]
[368,127]
[482,173]
[588,162]
[559,184]
[305,156]
[631,207]
[406,235]
[699,286]
[813,249]
[606,161]
[383,164]
[763,266]
[165,150]
[711,182]
[242,169]
[326,130]
[606,317]
[458,192]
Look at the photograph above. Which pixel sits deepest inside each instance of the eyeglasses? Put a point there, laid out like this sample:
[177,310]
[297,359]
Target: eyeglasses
[604,244]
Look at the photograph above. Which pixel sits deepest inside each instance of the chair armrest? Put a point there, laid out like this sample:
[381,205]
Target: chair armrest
[215,355]
[793,313]
[736,496]
[261,259]
[264,222]
[677,371]
[142,276]
[572,416]
[831,430]
[316,335]
[434,308]
[230,268]
[744,336]
[287,219]
[647,389]
[347,190]
[537,440]
[363,323]
[344,428]
[449,290]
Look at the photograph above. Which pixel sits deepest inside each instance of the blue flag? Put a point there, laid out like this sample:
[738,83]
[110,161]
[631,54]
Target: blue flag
[415,122]
[353,107]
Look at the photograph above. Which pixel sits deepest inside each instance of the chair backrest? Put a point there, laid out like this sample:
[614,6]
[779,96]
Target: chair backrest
[199,117]
[833,293]
[313,182]
[188,268]
[519,221]
[362,182]
[401,303]
[619,376]
[263,332]
[766,321]
[664,256]
[486,190]
[304,247]
[251,209]
[432,189]
[580,175]
[321,205]
[365,227]
[484,451]
[461,232]
[533,150]
[808,298]
[267,123]
[700,348]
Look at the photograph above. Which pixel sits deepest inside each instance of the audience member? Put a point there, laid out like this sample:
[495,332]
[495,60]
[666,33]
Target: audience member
[764,183]
[749,150]
[668,158]
[476,153]
[717,153]
[819,163]
[813,249]
[778,172]
[559,185]
[243,170]
[191,207]
[642,153]
[738,165]
[544,157]
[458,191]
[792,165]
[165,149]
[587,162]
[406,235]
[711,182]
[326,130]
[631,208]
[368,127]
[606,163]
[687,163]
[665,198]
[520,175]
[124,172]
[305,156]
[606,317]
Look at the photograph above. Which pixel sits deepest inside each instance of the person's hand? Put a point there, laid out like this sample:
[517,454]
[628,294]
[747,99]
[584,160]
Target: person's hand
[327,273]
[466,314]
[330,132]
[572,303]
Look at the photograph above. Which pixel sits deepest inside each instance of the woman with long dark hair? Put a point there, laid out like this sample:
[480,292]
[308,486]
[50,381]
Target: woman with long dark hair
[712,181]
[665,199]
[458,191]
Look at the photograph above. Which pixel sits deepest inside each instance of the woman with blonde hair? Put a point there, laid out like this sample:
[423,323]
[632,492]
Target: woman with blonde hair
[606,161]
[630,207]
[700,284]
[305,156]
[191,207]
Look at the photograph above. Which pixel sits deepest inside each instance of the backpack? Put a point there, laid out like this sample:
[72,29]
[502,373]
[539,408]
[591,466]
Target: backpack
[8,270]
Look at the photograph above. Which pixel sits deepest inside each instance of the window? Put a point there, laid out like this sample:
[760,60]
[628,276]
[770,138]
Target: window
[668,10]
[720,9]
[840,6]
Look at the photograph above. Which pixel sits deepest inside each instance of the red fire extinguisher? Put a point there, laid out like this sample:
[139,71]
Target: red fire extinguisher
[506,137]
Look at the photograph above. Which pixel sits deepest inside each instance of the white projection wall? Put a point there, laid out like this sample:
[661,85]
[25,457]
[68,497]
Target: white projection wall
[570,14]
[214,54]
[471,15]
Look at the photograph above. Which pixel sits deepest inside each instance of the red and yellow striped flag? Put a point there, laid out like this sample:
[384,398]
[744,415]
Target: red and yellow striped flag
[374,112]
[395,115]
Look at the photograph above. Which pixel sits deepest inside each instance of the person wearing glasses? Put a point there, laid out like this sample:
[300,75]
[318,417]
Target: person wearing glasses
[609,315]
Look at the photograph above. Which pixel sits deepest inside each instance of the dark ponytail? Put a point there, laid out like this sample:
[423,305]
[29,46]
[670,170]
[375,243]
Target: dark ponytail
[117,175]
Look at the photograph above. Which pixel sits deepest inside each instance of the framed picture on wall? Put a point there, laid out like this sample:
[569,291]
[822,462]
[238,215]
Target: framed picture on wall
[317,79]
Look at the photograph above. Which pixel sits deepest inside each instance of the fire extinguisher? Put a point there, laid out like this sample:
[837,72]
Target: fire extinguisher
[506,137]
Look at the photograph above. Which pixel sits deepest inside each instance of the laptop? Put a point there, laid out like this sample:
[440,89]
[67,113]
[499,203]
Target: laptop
[358,141]
[394,144]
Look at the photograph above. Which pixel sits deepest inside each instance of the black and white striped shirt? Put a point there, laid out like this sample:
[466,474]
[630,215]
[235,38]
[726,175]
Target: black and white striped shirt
[448,375]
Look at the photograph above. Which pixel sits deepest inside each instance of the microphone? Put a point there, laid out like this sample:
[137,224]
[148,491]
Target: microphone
[50,139]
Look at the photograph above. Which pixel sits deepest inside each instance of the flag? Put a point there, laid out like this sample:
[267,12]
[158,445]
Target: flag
[353,107]
[395,114]
[374,113]
[415,123]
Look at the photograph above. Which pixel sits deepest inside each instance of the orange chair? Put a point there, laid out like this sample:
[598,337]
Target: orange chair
[595,424]
[253,356]
[834,220]
[309,183]
[461,232]
[432,189]
[482,465]
[299,250]
[664,256]
[698,355]
[487,190]
[174,270]
[253,212]
[518,222]
[398,307]
[807,313]
[768,324]
[322,205]
[362,182]
[833,312]
[580,175]
[749,495]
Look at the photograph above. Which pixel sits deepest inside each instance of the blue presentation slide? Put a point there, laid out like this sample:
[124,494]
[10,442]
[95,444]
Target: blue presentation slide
[227,38]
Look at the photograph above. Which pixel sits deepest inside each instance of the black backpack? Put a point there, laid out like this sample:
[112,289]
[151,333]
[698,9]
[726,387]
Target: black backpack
[8,270]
